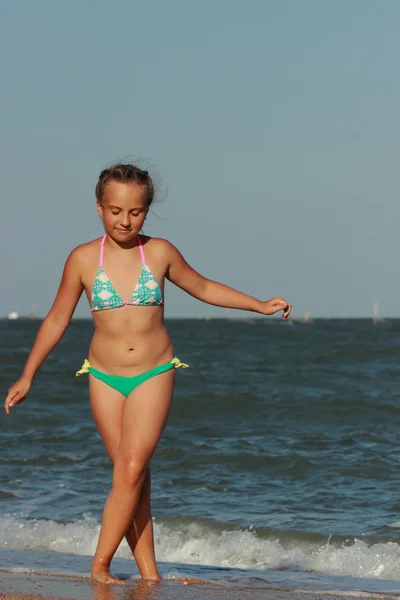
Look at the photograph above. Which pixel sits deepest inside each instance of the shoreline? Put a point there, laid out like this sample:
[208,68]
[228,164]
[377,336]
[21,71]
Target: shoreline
[40,586]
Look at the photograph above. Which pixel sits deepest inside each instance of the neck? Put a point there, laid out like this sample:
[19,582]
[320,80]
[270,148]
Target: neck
[124,245]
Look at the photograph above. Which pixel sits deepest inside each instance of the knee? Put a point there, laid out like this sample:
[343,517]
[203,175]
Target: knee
[130,471]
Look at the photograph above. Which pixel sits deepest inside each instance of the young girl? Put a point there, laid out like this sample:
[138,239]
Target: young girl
[131,360]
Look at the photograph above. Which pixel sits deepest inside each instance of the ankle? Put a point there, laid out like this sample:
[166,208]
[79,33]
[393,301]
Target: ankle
[150,573]
[100,563]
[155,577]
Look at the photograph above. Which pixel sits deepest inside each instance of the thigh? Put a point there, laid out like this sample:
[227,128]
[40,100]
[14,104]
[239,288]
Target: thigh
[144,417]
[107,407]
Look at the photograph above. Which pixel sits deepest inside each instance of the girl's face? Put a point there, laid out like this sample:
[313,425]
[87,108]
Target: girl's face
[123,210]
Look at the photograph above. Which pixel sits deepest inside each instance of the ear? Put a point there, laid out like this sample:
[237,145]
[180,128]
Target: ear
[100,210]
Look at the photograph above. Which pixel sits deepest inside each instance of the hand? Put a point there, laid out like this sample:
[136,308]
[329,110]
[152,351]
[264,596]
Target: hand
[17,393]
[270,307]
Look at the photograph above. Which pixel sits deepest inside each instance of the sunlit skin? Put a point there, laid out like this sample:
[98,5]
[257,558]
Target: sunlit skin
[128,341]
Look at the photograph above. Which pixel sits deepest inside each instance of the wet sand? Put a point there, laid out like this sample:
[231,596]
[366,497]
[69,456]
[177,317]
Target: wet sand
[33,586]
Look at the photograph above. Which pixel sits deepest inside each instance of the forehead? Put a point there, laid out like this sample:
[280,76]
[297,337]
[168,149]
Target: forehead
[124,195]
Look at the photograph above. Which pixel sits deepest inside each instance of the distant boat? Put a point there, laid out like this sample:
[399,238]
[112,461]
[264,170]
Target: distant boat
[239,319]
[306,319]
[13,316]
[376,318]
[307,315]
[32,316]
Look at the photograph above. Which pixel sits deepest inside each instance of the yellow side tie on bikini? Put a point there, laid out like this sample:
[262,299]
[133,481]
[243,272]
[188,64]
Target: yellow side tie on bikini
[84,369]
[177,363]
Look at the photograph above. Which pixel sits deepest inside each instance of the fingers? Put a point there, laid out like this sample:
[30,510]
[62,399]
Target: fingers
[287,309]
[282,304]
[8,402]
[14,397]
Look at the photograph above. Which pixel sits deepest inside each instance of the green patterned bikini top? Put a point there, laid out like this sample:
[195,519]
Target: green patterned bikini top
[146,293]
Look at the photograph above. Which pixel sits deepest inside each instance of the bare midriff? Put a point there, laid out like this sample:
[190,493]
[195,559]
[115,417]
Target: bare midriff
[129,340]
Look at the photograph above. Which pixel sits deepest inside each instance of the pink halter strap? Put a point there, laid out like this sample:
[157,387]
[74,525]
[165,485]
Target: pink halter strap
[102,250]
[141,250]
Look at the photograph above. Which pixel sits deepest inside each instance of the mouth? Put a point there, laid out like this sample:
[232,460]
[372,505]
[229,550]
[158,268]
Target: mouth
[126,231]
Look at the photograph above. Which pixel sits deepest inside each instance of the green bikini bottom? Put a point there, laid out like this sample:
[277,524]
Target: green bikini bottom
[126,385]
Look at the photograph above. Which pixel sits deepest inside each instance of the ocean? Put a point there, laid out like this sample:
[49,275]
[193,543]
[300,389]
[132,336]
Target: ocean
[278,470]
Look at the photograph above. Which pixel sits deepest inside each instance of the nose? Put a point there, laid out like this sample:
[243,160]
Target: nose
[125,220]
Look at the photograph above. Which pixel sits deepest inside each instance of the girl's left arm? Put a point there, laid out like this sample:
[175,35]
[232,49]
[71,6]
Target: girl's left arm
[185,277]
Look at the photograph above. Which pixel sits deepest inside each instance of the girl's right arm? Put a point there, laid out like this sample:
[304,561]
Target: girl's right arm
[52,328]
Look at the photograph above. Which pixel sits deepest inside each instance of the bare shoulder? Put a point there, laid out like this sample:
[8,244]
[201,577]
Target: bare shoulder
[86,251]
[161,247]
[84,254]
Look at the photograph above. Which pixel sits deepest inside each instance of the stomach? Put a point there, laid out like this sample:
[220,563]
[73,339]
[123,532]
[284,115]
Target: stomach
[129,340]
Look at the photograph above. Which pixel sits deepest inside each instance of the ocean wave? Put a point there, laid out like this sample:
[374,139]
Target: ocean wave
[200,544]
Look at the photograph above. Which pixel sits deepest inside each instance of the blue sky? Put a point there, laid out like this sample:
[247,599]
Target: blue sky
[273,128]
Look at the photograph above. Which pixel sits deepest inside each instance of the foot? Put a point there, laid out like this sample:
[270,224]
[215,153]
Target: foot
[103,575]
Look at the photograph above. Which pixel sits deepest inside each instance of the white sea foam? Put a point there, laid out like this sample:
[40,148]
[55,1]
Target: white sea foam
[198,544]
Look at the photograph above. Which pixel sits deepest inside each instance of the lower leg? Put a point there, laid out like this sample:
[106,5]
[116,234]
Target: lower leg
[118,515]
[140,535]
